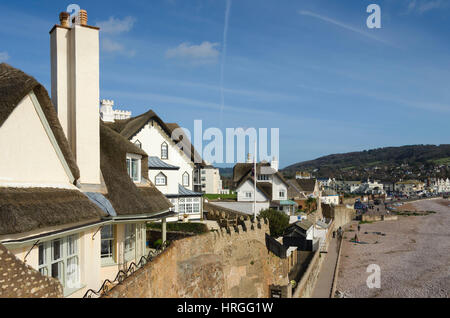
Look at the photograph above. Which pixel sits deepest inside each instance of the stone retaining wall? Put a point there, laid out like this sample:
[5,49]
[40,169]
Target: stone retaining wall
[231,262]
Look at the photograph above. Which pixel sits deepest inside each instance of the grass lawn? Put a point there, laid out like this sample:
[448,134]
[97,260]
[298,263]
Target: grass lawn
[221,196]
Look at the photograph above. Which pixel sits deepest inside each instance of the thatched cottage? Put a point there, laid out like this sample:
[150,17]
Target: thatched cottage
[74,194]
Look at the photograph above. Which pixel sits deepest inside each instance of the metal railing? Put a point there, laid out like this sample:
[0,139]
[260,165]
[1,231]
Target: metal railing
[122,275]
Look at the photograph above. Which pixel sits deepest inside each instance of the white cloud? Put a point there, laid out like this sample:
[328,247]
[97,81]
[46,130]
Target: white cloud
[421,6]
[4,56]
[115,26]
[111,46]
[206,52]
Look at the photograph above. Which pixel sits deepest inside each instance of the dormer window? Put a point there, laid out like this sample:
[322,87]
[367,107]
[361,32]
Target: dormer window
[161,179]
[134,167]
[138,144]
[185,179]
[164,151]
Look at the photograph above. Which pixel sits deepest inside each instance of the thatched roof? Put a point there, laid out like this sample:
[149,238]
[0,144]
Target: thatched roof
[27,209]
[306,185]
[20,280]
[130,127]
[124,195]
[14,86]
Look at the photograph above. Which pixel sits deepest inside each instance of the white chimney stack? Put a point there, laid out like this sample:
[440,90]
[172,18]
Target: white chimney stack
[75,90]
[274,163]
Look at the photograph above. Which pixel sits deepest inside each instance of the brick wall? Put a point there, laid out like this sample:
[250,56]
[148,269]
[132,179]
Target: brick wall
[227,263]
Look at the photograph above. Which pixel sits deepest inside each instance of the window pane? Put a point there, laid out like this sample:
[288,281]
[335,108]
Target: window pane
[72,272]
[57,271]
[56,249]
[128,167]
[107,232]
[107,249]
[134,165]
[42,254]
[72,243]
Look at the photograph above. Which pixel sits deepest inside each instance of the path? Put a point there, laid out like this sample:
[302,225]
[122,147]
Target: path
[324,282]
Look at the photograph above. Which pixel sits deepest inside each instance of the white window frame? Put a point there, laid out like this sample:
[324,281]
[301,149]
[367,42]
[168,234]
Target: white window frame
[108,259]
[248,194]
[282,194]
[189,205]
[164,151]
[67,257]
[186,177]
[158,178]
[133,158]
[263,177]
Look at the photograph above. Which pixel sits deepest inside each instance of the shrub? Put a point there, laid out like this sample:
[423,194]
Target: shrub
[278,221]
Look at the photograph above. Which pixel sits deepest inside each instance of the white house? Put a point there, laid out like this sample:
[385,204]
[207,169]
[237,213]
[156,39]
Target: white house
[172,161]
[271,187]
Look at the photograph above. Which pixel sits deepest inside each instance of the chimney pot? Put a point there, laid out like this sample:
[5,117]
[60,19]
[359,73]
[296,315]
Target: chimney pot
[83,17]
[64,19]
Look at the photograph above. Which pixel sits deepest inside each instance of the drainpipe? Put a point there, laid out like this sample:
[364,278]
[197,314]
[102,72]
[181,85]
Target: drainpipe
[163,229]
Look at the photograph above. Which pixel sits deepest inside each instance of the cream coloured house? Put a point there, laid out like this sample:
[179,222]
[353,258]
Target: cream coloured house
[74,195]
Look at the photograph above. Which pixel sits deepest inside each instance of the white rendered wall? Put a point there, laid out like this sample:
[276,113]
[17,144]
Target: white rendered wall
[212,180]
[75,93]
[248,186]
[27,154]
[152,138]
[277,186]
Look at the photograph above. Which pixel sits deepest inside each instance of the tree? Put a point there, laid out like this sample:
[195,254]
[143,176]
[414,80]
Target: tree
[311,204]
[278,221]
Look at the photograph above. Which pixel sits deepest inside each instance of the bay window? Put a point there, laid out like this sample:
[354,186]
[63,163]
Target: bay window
[189,205]
[59,259]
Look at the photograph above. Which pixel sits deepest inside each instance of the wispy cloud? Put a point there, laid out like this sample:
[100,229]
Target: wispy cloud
[4,56]
[111,46]
[343,26]
[205,52]
[112,28]
[116,26]
[423,6]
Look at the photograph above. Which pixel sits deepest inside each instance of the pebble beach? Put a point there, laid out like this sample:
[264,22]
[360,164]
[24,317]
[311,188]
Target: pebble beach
[413,254]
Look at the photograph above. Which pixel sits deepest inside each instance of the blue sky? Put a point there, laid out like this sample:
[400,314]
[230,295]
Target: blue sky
[311,68]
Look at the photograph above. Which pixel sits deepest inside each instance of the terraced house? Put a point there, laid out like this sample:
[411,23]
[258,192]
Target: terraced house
[69,205]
